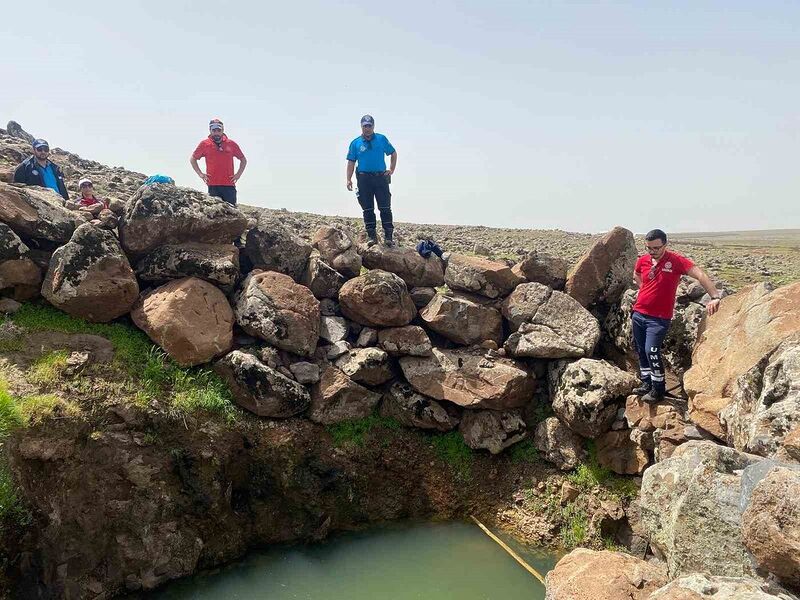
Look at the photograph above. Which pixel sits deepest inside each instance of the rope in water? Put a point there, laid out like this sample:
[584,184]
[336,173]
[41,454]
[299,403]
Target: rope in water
[513,554]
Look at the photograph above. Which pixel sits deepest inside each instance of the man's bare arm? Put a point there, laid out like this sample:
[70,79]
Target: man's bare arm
[638,279]
[708,285]
[351,167]
[240,170]
[393,162]
[196,167]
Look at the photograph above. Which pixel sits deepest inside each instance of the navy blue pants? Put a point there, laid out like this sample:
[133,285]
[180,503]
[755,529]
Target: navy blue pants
[374,187]
[224,192]
[648,335]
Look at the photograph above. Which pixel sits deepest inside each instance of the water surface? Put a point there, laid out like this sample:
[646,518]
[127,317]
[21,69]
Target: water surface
[439,561]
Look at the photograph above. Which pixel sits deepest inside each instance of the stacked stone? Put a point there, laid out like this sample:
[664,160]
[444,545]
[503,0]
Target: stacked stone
[328,329]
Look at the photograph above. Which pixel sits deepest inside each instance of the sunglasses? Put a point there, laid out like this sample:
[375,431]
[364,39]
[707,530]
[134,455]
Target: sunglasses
[42,149]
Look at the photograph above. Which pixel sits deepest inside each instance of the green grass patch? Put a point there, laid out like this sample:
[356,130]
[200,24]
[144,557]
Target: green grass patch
[14,344]
[354,432]
[12,510]
[152,374]
[523,452]
[10,415]
[452,449]
[131,346]
[37,409]
[590,474]
[49,367]
[575,527]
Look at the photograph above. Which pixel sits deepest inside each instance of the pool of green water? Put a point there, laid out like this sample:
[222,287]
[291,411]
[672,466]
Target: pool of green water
[431,561]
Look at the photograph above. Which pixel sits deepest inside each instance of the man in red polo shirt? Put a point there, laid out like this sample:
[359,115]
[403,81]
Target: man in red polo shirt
[218,150]
[657,274]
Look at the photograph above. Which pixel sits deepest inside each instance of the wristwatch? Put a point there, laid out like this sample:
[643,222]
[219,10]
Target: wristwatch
[717,297]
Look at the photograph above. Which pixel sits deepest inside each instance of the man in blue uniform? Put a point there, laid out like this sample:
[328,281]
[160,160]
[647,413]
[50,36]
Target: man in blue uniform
[368,151]
[39,170]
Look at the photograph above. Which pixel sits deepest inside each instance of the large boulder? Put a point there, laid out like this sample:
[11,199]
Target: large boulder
[216,263]
[765,402]
[90,277]
[585,574]
[559,444]
[748,327]
[538,267]
[406,263]
[548,324]
[411,340]
[462,321]
[17,270]
[377,299]
[587,394]
[700,586]
[470,379]
[605,271]
[771,525]
[272,246]
[492,430]
[161,214]
[369,366]
[480,276]
[323,280]
[337,249]
[411,409]
[690,506]
[261,389]
[285,314]
[621,453]
[36,212]
[189,318]
[337,398]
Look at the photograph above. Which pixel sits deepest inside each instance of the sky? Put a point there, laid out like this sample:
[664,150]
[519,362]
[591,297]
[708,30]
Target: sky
[571,115]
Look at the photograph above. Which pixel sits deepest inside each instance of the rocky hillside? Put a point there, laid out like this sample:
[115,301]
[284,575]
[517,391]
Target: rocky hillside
[206,380]
[735,260]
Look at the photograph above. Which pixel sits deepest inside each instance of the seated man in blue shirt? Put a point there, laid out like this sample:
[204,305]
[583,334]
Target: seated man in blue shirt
[38,170]
[368,150]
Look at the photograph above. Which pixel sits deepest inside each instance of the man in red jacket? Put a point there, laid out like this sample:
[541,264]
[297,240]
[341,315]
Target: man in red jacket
[219,151]
[657,274]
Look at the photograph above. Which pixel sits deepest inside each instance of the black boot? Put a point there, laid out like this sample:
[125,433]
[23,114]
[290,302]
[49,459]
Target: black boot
[372,239]
[388,240]
[654,396]
[643,389]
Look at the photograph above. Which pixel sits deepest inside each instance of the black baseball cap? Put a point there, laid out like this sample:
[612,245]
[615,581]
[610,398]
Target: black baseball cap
[39,143]
[367,120]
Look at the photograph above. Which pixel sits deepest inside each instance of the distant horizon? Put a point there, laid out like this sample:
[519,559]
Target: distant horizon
[570,116]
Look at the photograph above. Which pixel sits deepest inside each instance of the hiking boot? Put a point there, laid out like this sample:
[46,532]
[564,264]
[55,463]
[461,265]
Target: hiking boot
[643,389]
[388,241]
[653,397]
[372,240]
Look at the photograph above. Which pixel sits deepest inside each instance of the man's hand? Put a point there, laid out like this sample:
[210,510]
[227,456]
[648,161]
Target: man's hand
[388,172]
[349,185]
[204,177]
[235,178]
[712,307]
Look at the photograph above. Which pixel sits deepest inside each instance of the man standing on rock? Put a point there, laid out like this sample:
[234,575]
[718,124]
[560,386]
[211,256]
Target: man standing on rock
[39,170]
[219,150]
[369,150]
[658,274]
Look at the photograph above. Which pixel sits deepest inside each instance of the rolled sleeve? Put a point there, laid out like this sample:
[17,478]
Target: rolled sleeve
[389,148]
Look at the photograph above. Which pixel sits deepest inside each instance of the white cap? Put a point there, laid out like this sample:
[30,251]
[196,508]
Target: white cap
[85,181]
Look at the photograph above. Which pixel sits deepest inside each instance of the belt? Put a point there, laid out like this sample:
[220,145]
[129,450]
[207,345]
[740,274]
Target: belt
[371,173]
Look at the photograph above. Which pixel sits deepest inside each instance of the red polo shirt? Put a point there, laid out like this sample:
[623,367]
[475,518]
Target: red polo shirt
[657,295]
[219,159]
